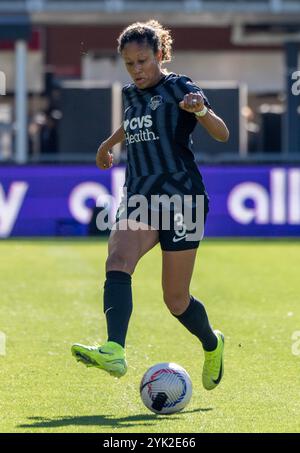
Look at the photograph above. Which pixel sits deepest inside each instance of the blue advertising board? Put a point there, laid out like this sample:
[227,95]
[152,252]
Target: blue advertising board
[245,201]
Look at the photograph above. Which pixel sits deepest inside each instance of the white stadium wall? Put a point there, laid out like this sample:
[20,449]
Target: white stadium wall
[35,70]
[262,71]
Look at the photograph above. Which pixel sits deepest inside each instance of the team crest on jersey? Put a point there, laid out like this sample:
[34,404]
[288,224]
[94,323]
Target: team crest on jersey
[155,102]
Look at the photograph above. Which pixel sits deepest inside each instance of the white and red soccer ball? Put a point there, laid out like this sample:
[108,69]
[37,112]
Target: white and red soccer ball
[166,388]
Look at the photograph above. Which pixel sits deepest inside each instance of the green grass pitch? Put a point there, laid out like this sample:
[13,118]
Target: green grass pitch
[51,296]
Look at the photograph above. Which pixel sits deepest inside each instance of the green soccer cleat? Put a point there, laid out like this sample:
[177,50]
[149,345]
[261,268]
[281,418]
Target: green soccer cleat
[213,368]
[110,357]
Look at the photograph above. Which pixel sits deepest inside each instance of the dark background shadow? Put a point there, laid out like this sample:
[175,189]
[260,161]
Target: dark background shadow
[105,420]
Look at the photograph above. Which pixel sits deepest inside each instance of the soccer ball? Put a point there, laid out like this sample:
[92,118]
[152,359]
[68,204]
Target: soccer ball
[166,388]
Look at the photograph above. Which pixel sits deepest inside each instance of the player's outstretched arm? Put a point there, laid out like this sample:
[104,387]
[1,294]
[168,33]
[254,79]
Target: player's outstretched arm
[215,126]
[104,157]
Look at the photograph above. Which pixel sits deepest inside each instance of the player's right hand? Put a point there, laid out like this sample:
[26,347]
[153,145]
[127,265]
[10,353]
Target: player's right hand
[104,158]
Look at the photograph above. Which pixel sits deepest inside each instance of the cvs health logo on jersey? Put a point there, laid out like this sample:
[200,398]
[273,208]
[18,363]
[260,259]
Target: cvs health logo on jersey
[137,129]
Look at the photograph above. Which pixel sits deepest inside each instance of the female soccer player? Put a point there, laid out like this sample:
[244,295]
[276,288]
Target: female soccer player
[161,110]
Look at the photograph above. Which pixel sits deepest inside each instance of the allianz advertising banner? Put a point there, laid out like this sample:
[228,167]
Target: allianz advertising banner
[261,201]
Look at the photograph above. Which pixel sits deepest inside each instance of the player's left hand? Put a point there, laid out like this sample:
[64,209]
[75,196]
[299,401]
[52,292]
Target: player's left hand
[192,102]
[104,157]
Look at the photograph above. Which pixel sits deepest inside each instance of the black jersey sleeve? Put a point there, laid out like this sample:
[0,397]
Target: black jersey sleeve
[185,85]
[125,97]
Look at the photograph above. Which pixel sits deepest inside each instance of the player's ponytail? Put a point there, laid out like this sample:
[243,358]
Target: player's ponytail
[164,37]
[152,33]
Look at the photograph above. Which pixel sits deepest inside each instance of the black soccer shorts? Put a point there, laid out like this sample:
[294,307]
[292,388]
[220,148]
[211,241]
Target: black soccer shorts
[180,227]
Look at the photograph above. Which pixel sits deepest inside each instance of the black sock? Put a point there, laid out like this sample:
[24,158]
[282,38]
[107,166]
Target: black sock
[196,321]
[117,305]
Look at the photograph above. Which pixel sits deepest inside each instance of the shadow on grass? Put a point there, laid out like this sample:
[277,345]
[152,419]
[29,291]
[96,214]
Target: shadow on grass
[105,420]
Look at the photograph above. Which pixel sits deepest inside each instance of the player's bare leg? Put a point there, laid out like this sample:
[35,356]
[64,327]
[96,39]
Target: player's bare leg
[127,245]
[177,271]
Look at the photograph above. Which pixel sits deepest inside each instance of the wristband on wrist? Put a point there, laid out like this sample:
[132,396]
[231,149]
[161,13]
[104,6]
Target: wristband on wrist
[202,112]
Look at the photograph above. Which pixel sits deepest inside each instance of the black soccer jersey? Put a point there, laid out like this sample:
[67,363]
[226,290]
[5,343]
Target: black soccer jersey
[158,136]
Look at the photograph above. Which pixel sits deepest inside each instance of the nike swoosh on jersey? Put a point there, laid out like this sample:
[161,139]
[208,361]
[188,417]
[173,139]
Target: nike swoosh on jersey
[177,239]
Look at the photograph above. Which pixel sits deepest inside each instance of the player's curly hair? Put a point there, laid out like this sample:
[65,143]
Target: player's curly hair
[152,33]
